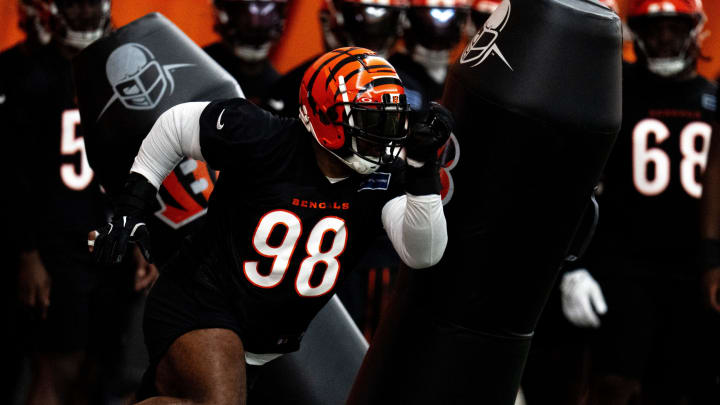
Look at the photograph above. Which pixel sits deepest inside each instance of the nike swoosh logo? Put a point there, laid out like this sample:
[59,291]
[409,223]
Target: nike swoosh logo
[220,126]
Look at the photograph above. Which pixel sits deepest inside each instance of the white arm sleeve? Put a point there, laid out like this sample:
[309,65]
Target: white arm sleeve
[175,134]
[417,228]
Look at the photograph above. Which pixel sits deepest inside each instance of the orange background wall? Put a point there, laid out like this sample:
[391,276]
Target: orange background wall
[302,37]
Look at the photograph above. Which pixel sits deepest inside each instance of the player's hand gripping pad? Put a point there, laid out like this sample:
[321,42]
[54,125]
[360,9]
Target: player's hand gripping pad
[536,96]
[124,83]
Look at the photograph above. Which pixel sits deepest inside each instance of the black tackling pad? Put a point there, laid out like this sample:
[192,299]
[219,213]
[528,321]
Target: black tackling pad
[126,80]
[536,96]
[322,371]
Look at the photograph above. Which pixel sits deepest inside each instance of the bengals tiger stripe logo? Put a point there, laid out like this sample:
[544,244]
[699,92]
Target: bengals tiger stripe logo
[185,193]
[449,155]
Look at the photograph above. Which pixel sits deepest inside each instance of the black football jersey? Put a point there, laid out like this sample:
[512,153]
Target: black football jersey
[45,143]
[651,187]
[278,233]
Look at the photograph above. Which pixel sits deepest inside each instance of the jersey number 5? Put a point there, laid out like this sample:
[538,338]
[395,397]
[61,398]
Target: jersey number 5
[642,156]
[282,253]
[71,144]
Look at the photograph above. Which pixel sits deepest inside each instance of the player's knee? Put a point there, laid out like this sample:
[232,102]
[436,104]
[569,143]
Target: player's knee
[204,366]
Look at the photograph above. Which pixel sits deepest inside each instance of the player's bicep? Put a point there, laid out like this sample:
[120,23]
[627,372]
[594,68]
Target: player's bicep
[173,136]
[230,130]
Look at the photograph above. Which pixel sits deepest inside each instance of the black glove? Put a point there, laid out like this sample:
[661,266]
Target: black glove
[429,134]
[128,223]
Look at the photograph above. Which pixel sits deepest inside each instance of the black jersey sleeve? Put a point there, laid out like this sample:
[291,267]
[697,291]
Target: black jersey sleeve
[234,132]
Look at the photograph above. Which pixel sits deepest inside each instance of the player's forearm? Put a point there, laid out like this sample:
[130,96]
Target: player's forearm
[175,134]
[417,228]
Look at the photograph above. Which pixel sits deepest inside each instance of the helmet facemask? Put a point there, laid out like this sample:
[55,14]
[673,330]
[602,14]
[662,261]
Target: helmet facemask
[250,27]
[430,35]
[354,104]
[666,45]
[435,28]
[80,22]
[373,27]
[375,132]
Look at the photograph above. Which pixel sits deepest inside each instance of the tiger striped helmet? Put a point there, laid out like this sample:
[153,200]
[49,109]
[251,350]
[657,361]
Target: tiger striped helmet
[354,104]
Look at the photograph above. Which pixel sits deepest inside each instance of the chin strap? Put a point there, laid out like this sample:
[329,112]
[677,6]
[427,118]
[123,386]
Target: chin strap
[251,53]
[668,67]
[81,39]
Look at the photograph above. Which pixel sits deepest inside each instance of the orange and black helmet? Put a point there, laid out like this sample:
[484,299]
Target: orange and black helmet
[667,34]
[353,102]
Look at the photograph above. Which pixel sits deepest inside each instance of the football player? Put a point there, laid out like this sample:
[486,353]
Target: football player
[369,25]
[36,35]
[249,29]
[637,286]
[33,22]
[432,30]
[344,23]
[297,201]
[76,305]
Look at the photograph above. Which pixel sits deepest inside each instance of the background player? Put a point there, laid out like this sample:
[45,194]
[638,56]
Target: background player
[343,23]
[278,188]
[79,309]
[36,35]
[248,30]
[644,253]
[432,30]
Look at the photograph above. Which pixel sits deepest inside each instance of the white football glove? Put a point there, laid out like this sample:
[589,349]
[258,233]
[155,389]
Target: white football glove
[582,299]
